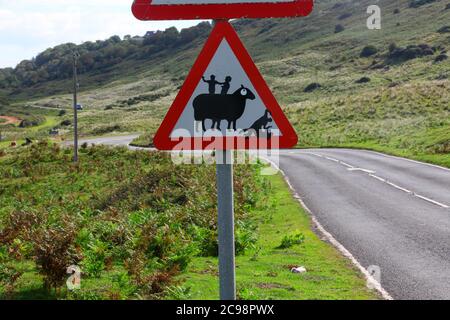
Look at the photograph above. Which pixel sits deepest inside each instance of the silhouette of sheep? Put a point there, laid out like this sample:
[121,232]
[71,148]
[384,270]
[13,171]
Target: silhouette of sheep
[218,107]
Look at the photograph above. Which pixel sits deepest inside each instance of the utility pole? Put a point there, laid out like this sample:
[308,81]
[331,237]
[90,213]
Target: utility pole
[75,107]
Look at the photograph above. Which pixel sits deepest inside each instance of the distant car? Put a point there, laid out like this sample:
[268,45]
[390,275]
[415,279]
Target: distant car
[79,107]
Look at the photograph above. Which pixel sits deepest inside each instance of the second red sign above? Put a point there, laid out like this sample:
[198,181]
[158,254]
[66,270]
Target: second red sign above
[219,9]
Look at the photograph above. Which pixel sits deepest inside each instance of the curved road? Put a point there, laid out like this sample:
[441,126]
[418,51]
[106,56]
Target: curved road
[387,211]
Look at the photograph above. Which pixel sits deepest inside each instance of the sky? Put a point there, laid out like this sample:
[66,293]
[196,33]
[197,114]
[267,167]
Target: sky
[28,27]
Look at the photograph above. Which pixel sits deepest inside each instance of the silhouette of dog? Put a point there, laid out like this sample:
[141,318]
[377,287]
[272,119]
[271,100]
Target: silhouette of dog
[261,124]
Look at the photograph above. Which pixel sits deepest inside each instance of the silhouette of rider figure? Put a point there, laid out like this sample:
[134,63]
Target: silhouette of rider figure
[212,84]
[226,85]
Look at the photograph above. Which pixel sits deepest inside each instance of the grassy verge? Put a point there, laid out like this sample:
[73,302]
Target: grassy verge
[144,140]
[264,272]
[131,220]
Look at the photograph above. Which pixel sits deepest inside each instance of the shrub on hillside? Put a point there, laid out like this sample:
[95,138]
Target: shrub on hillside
[363,80]
[25,124]
[338,5]
[419,3]
[396,11]
[312,86]
[444,29]
[339,28]
[368,51]
[143,98]
[440,58]
[399,54]
[30,120]
[106,129]
[66,123]
[392,47]
[345,16]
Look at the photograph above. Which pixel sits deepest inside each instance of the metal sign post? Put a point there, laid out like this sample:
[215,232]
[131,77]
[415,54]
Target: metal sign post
[225,201]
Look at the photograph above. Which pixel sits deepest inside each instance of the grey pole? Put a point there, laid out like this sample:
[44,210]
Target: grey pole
[226,225]
[75,111]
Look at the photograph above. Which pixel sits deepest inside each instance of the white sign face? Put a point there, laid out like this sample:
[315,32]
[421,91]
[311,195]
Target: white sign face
[225,86]
[173,2]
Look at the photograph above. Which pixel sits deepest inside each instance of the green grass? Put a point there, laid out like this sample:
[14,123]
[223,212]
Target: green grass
[144,140]
[130,220]
[264,272]
[49,122]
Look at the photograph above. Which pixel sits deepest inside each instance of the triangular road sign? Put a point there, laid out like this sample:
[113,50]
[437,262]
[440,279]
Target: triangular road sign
[225,104]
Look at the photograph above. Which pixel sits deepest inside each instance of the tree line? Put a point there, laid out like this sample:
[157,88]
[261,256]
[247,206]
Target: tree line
[56,63]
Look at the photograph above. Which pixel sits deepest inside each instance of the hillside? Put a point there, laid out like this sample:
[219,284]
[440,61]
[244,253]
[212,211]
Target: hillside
[392,95]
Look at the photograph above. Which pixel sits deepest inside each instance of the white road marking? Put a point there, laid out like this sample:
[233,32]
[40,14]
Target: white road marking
[432,201]
[316,154]
[371,174]
[346,164]
[361,169]
[377,177]
[371,281]
[399,188]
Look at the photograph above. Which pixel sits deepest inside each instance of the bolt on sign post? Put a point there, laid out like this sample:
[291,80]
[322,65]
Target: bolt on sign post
[224,103]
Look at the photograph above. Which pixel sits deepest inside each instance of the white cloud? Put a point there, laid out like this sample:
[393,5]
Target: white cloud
[29,26]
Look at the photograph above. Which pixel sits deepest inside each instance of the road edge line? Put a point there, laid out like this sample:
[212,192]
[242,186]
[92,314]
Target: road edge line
[370,280]
[372,174]
[406,159]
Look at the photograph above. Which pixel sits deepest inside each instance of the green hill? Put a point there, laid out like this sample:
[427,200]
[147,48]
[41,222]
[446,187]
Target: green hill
[386,89]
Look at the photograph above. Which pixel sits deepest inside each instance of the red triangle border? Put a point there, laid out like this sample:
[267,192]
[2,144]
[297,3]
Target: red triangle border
[223,30]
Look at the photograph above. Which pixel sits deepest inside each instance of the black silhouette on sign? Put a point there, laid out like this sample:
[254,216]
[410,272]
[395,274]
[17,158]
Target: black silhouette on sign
[212,84]
[226,85]
[218,107]
[262,124]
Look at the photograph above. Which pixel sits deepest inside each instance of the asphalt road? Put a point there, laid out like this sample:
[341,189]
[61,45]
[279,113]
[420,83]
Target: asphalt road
[388,212]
